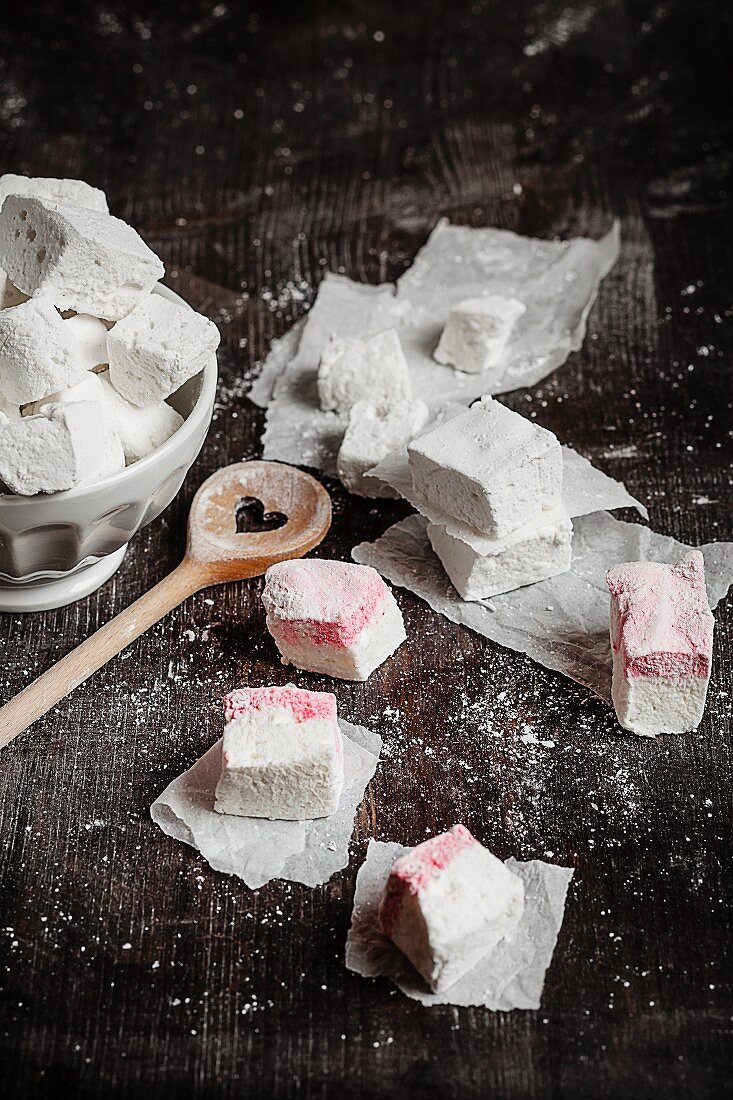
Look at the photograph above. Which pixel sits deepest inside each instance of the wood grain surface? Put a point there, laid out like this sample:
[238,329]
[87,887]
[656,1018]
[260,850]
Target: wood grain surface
[256,147]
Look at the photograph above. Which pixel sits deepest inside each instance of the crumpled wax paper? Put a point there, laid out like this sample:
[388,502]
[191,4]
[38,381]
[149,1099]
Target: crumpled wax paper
[557,280]
[511,975]
[281,352]
[255,849]
[562,623]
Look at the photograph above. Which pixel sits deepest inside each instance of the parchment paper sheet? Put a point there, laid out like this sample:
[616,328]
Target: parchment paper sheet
[557,280]
[561,623]
[512,975]
[257,850]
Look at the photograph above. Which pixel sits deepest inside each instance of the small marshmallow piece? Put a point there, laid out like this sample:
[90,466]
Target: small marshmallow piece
[331,617]
[363,370]
[37,352]
[489,467]
[157,348]
[71,192]
[90,340]
[9,293]
[140,430]
[535,552]
[447,902]
[477,333]
[57,450]
[662,643]
[373,432]
[77,258]
[282,755]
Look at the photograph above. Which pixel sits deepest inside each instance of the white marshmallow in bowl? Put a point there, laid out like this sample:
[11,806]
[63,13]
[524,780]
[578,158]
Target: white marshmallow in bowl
[37,352]
[53,450]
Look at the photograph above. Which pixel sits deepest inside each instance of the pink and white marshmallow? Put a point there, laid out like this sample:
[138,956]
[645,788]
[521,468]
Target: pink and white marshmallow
[282,754]
[447,902]
[331,617]
[662,643]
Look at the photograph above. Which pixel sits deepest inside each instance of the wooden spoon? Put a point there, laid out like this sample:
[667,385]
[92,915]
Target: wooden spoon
[215,553]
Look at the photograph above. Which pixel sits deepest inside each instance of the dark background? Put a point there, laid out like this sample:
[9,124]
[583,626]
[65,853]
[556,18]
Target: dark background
[256,147]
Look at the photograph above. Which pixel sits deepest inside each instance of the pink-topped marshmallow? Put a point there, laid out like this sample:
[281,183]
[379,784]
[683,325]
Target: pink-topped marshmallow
[662,643]
[331,616]
[282,754]
[447,902]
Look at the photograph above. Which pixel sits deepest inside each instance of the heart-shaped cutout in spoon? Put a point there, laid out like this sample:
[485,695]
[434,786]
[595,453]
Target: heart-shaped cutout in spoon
[216,553]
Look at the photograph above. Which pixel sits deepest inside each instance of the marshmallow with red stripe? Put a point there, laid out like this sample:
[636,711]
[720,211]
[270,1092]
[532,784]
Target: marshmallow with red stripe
[447,903]
[332,617]
[662,644]
[282,754]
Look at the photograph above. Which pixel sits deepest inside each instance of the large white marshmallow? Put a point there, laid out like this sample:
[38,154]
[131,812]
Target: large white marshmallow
[373,431]
[37,352]
[477,333]
[447,902]
[540,549]
[77,258]
[331,617]
[9,293]
[489,467]
[354,370]
[282,754]
[90,340]
[155,349]
[55,450]
[141,430]
[73,192]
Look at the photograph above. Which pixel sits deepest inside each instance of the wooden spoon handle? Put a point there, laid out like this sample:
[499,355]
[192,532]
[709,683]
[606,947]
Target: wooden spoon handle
[77,666]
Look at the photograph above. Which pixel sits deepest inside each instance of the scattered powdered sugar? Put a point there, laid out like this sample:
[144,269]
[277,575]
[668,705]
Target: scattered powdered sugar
[256,849]
[511,975]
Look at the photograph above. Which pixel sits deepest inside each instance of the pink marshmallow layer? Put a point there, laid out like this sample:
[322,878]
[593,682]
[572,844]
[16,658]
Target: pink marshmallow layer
[302,704]
[664,626]
[412,872]
[327,602]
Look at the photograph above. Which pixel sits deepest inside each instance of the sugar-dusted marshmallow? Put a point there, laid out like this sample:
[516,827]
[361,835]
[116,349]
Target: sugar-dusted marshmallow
[354,370]
[157,348]
[90,340]
[141,430]
[9,293]
[282,754]
[73,192]
[477,333]
[662,644]
[331,617]
[541,549]
[89,389]
[447,902]
[373,431]
[77,258]
[37,352]
[489,467]
[55,450]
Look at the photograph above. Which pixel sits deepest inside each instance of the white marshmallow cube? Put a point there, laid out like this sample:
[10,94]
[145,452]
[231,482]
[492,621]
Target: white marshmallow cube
[535,552]
[73,192]
[55,450]
[77,258]
[488,467]
[90,340]
[282,754]
[155,349]
[373,431]
[37,352]
[447,902]
[141,430]
[477,333]
[374,369]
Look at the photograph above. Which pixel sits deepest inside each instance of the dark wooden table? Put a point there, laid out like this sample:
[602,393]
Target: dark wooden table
[257,148]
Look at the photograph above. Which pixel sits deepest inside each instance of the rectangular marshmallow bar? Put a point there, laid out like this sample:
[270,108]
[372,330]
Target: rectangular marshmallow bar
[38,353]
[373,431]
[662,643]
[77,258]
[447,902]
[282,755]
[73,192]
[477,333]
[489,467]
[55,450]
[542,548]
[331,617]
[157,347]
[354,370]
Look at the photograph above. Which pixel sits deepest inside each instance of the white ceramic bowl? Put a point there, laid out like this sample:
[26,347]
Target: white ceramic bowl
[57,547]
